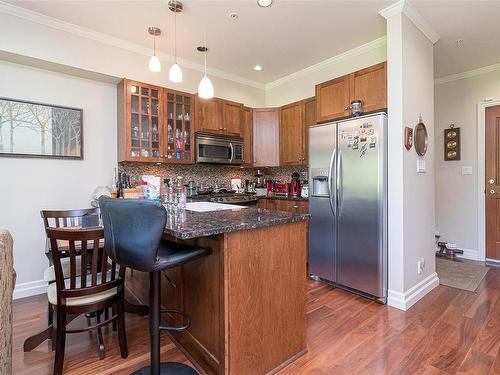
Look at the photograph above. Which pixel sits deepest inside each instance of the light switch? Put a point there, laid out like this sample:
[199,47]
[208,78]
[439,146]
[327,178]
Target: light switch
[466,171]
[420,166]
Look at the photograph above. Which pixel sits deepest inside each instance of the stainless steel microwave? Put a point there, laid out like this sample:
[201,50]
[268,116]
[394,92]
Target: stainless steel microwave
[221,149]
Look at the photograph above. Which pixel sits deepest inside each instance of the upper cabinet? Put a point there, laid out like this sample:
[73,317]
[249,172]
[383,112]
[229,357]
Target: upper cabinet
[334,97]
[247,128]
[266,137]
[231,117]
[370,86]
[219,116]
[154,124]
[292,134]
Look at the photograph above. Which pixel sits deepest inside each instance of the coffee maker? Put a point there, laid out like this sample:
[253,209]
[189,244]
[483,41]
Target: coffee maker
[295,185]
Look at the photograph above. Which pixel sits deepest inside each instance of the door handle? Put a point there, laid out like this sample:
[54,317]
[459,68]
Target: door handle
[340,183]
[491,181]
[492,191]
[330,179]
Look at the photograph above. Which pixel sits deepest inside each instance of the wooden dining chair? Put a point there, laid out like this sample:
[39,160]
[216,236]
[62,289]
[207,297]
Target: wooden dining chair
[64,219]
[94,284]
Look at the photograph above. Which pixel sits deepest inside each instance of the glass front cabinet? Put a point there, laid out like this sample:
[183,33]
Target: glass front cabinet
[155,124]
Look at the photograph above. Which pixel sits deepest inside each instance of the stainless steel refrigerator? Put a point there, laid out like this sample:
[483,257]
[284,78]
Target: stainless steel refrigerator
[348,204]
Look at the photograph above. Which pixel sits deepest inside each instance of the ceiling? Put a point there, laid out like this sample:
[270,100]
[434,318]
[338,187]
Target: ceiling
[286,37]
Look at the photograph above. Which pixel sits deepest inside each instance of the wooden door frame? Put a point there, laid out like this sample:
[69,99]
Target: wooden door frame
[481,176]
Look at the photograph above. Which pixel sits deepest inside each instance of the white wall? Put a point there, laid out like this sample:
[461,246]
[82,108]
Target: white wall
[93,52]
[456,195]
[411,194]
[30,184]
[301,85]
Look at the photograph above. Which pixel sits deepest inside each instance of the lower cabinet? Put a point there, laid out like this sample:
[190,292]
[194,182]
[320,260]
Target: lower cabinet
[287,205]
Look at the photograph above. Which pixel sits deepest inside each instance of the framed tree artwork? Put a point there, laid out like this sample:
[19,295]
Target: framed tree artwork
[29,129]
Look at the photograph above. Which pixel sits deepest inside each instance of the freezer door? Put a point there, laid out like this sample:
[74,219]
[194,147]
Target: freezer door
[322,146]
[361,169]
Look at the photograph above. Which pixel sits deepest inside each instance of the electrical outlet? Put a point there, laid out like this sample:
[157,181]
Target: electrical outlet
[420,266]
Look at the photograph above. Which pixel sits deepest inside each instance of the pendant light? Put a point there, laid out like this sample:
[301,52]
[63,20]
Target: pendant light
[205,88]
[175,72]
[154,62]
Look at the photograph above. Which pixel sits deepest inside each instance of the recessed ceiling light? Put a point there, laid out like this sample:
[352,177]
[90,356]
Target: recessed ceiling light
[233,15]
[264,3]
[459,43]
[258,68]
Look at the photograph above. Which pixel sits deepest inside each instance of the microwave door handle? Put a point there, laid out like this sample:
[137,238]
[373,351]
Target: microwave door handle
[232,152]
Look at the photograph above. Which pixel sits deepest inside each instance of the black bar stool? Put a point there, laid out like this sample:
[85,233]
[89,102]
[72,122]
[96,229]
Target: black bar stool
[133,232]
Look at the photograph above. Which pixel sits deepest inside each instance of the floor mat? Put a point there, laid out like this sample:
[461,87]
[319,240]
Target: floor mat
[461,275]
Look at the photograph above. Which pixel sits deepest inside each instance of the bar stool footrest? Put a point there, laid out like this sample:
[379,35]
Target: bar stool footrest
[176,328]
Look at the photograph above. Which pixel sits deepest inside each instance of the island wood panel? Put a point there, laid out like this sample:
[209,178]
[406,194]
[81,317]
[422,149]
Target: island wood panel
[288,205]
[267,290]
[213,289]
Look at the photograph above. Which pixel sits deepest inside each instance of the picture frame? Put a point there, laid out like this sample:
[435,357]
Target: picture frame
[39,130]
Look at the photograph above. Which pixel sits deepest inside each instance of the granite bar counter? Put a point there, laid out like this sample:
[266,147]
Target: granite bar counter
[247,299]
[189,224]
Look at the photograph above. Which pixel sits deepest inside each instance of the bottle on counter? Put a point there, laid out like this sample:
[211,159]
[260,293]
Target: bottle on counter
[181,194]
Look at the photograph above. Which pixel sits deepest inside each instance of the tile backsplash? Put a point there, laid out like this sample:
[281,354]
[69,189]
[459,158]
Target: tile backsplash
[208,174]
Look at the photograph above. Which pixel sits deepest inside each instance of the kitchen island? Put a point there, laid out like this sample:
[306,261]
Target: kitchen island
[247,299]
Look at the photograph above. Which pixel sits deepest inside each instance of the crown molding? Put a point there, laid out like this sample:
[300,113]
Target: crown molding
[84,32]
[406,8]
[377,43]
[467,74]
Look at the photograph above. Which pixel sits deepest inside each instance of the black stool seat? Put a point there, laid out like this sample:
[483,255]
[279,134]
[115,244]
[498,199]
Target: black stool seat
[173,254]
[133,231]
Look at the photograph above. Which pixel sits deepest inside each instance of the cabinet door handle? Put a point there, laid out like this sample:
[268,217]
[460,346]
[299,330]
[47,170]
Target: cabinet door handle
[295,206]
[346,108]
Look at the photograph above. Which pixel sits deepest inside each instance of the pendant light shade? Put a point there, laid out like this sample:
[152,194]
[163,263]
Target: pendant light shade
[154,64]
[175,73]
[206,88]
[154,61]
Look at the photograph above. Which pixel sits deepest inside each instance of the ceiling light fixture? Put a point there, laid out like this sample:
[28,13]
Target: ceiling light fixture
[175,72]
[154,62]
[205,88]
[258,68]
[264,3]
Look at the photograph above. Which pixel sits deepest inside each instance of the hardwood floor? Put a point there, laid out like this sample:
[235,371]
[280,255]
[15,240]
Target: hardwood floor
[449,331]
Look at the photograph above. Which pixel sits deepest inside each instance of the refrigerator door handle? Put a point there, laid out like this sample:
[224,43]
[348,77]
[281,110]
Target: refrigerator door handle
[330,180]
[340,183]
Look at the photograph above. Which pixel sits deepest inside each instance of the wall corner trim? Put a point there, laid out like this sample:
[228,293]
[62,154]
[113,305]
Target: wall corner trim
[406,8]
[404,301]
[31,288]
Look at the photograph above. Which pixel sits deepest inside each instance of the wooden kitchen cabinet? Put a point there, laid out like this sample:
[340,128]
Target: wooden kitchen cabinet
[266,137]
[334,97]
[247,130]
[231,117]
[292,134]
[219,116]
[370,86]
[155,124]
[310,111]
[209,115]
[287,205]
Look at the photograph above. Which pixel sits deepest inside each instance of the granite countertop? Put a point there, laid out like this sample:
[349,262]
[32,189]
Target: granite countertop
[289,198]
[189,224]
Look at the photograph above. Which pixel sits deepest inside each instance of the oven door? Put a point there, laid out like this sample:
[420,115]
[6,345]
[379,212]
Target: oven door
[217,150]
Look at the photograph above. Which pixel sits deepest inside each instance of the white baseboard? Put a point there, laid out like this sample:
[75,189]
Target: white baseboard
[469,254]
[404,301]
[31,288]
